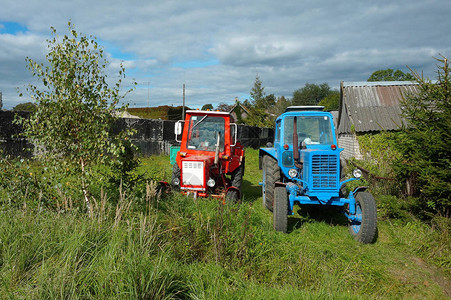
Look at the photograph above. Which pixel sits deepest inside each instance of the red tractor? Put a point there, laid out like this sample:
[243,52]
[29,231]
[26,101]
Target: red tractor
[208,152]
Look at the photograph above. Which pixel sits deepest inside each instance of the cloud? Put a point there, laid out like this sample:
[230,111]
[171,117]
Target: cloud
[217,47]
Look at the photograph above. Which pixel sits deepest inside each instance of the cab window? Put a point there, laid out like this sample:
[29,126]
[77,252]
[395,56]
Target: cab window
[310,129]
[203,133]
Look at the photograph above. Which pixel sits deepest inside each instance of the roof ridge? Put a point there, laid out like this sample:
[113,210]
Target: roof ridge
[378,83]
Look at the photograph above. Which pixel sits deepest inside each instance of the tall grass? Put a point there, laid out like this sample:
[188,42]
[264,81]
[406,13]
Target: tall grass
[174,247]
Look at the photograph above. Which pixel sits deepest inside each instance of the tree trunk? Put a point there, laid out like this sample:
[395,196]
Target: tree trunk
[85,188]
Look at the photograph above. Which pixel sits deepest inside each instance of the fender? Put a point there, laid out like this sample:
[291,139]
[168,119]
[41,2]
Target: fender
[279,183]
[235,189]
[359,189]
[164,184]
[265,151]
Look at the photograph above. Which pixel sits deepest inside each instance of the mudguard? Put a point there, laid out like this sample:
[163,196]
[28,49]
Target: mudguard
[359,189]
[265,151]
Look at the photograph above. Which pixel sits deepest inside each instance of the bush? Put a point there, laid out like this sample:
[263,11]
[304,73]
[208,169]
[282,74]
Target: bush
[380,151]
[425,159]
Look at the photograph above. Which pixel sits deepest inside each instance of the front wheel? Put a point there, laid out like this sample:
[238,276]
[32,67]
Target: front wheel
[280,212]
[364,230]
[232,196]
[160,191]
[175,178]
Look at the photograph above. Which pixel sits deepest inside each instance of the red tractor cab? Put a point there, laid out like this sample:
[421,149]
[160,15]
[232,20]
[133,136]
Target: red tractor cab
[210,161]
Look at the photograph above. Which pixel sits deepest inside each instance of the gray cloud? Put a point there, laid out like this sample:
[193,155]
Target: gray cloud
[217,47]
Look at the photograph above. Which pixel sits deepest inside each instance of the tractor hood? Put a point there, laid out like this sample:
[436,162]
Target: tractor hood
[195,172]
[208,160]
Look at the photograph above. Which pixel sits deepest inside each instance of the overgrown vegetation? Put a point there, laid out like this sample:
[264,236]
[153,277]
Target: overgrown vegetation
[425,143]
[75,111]
[416,160]
[141,246]
[380,151]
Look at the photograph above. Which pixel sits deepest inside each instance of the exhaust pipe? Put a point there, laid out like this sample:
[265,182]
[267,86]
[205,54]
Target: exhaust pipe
[217,148]
[297,161]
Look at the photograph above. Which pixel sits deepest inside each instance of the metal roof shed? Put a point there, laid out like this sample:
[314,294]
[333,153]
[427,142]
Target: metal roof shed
[370,107]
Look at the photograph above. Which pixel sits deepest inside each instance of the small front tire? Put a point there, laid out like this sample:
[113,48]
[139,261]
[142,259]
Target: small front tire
[280,212]
[232,196]
[175,175]
[160,191]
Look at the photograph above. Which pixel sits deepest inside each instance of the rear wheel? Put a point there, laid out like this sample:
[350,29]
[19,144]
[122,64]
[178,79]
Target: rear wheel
[280,213]
[175,176]
[271,174]
[364,230]
[237,176]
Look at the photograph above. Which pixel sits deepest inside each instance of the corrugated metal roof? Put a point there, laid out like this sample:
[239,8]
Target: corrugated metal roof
[373,106]
[377,83]
[335,117]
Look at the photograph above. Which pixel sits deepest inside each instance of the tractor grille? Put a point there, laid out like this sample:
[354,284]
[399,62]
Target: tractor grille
[193,172]
[324,171]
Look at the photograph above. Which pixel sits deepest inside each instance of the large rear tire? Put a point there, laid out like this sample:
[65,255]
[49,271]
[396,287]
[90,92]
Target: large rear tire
[364,231]
[271,174]
[280,213]
[237,176]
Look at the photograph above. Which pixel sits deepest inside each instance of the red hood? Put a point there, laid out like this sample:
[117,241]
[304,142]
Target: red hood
[207,159]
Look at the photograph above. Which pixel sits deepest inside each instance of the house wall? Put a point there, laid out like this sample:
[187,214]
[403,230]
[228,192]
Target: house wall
[349,142]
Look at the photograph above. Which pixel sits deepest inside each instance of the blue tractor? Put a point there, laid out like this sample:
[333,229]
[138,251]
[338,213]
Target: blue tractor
[303,167]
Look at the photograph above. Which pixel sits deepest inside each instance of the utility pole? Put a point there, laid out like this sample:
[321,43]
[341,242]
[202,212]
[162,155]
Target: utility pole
[183,108]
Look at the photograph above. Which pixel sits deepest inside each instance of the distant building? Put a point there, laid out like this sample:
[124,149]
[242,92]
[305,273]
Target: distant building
[240,109]
[369,107]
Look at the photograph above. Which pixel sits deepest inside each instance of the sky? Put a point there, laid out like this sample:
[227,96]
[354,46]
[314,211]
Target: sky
[217,48]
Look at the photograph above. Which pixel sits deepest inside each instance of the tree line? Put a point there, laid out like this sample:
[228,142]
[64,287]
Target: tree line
[262,109]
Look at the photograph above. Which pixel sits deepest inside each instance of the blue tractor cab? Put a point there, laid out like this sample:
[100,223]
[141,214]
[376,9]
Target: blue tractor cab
[303,167]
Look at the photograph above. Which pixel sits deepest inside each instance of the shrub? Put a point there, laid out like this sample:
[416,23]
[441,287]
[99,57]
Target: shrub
[425,159]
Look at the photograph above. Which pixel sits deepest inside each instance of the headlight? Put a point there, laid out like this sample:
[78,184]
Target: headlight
[211,182]
[176,181]
[357,173]
[293,173]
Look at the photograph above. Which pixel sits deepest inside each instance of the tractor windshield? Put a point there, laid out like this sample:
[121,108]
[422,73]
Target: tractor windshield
[203,133]
[310,129]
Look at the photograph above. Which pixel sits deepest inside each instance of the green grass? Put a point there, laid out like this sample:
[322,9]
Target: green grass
[184,249]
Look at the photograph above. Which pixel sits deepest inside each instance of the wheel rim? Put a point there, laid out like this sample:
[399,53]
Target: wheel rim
[356,225]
